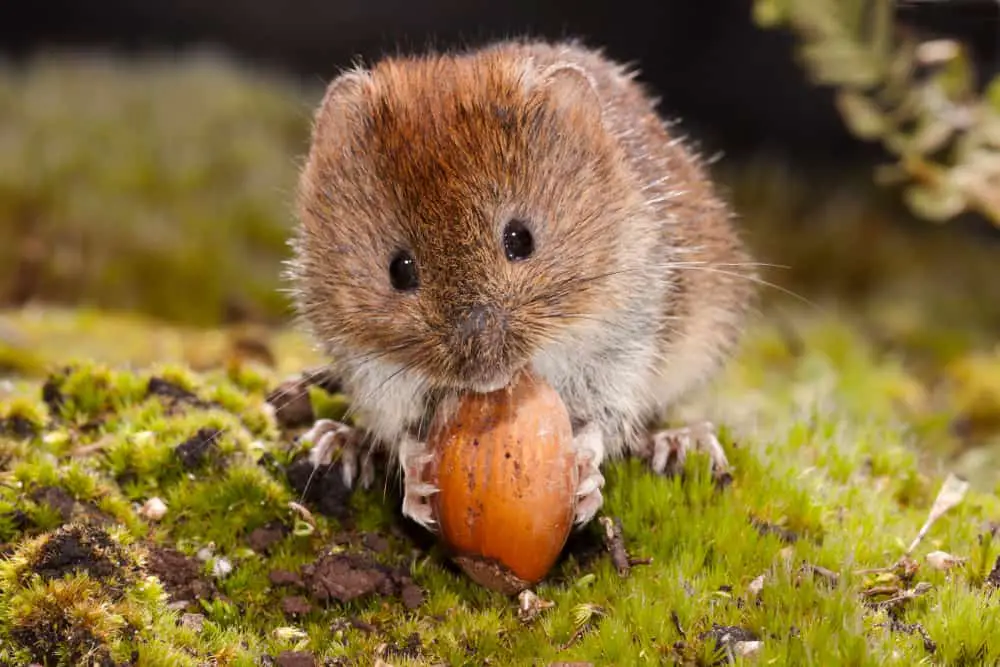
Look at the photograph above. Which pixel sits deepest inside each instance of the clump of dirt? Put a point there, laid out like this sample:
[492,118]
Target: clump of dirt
[784,534]
[59,635]
[343,577]
[993,578]
[56,498]
[68,507]
[375,542]
[407,649]
[291,403]
[86,548]
[295,605]
[52,394]
[728,637]
[285,578]
[174,396]
[180,575]
[323,487]
[18,426]
[295,659]
[263,538]
[199,448]
[69,620]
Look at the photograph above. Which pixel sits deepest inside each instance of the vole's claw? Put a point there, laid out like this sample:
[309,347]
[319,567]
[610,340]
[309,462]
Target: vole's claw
[331,437]
[670,448]
[589,446]
[420,514]
[414,457]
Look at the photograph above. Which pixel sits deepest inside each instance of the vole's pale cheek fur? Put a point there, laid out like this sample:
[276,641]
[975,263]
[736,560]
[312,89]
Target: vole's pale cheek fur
[389,400]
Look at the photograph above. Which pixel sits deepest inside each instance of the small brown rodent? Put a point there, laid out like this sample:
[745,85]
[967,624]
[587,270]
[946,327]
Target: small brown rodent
[465,214]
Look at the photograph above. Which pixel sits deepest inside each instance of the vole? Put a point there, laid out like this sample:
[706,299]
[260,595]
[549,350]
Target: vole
[465,214]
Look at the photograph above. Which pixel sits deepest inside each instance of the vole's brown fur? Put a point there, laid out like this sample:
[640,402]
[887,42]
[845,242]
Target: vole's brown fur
[638,286]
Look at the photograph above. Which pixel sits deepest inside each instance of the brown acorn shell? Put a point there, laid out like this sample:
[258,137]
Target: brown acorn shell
[507,476]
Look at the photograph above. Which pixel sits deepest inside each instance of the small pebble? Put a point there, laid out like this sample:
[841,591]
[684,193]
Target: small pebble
[55,438]
[154,509]
[194,621]
[746,649]
[756,586]
[290,633]
[143,437]
[221,567]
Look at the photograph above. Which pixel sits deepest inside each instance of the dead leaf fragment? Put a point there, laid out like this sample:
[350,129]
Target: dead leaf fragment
[941,560]
[529,605]
[951,494]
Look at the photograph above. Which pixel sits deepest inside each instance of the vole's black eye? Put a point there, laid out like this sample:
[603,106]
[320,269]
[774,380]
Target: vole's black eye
[517,241]
[403,272]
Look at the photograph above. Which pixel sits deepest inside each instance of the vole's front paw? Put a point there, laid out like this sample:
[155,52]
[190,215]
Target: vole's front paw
[589,446]
[414,457]
[333,439]
[670,448]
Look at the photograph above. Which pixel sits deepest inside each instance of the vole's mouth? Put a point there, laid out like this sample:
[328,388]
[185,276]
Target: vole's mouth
[489,385]
[484,383]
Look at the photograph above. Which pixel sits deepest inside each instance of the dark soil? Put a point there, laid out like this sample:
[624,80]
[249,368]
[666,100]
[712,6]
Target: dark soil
[77,645]
[56,498]
[322,487]
[89,549]
[295,659]
[194,451]
[18,426]
[407,649]
[375,542]
[285,578]
[764,528]
[993,578]
[295,605]
[52,394]
[180,575]
[727,635]
[291,403]
[344,577]
[262,539]
[290,399]
[174,394]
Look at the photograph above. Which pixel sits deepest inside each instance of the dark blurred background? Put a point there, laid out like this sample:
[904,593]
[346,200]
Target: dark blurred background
[737,87]
[138,139]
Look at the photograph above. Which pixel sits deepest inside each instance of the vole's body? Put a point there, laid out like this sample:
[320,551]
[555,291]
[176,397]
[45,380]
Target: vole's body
[633,293]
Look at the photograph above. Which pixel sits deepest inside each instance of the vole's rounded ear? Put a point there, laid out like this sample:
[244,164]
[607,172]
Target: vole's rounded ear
[572,89]
[342,99]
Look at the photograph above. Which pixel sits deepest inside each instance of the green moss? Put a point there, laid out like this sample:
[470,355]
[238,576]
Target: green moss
[826,475]
[103,195]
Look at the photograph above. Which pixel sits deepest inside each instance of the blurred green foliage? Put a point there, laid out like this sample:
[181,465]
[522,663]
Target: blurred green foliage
[161,185]
[919,97]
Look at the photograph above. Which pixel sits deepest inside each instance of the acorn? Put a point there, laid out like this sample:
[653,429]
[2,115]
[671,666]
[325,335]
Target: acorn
[507,479]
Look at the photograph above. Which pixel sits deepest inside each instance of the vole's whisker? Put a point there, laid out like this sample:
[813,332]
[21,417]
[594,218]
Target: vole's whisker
[753,279]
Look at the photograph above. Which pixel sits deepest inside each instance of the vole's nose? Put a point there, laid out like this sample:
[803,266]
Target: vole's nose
[481,322]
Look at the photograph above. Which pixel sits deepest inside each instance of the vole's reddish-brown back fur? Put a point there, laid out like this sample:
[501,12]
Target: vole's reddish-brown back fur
[638,286]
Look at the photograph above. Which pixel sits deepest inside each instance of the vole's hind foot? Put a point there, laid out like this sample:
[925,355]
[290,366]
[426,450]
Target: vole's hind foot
[414,456]
[334,441]
[589,446]
[669,448]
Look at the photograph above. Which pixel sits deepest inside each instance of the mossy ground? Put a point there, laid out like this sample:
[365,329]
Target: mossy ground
[819,424]
[842,417]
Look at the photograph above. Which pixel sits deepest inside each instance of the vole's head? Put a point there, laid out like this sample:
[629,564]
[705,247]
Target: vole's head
[458,214]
